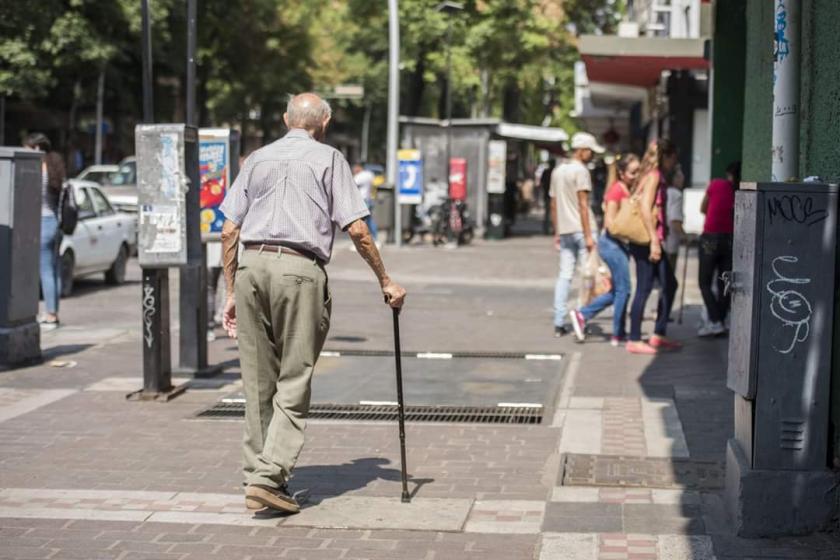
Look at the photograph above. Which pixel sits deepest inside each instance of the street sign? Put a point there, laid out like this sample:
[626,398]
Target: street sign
[496,162]
[411,177]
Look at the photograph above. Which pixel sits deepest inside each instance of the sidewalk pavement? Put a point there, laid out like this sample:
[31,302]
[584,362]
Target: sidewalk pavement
[626,464]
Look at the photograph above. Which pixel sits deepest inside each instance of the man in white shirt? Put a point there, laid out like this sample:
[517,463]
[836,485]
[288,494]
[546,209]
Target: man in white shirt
[364,180]
[570,188]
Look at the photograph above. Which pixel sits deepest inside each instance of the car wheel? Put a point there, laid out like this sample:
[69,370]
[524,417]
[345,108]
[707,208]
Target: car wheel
[68,264]
[116,274]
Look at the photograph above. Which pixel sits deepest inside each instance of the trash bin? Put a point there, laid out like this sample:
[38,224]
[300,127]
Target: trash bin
[495,216]
[20,231]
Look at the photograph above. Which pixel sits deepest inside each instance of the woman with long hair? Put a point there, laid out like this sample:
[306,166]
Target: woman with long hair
[52,178]
[659,161]
[615,254]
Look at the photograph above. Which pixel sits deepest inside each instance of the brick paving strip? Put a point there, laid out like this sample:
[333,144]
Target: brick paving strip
[625,546]
[350,512]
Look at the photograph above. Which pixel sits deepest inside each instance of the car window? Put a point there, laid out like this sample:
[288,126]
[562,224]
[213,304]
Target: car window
[103,207]
[84,203]
[127,175]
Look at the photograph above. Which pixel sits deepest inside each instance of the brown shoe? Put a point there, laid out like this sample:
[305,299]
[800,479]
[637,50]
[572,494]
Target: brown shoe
[259,496]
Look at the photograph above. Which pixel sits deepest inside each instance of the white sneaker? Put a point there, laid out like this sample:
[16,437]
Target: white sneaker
[712,329]
[578,324]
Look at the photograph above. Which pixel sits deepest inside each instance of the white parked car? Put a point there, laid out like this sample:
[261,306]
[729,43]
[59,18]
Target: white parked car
[122,187]
[99,173]
[103,241]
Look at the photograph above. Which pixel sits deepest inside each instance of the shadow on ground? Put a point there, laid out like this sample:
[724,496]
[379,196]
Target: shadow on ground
[330,481]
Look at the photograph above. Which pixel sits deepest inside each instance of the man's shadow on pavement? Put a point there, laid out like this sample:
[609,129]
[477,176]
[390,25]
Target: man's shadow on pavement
[320,482]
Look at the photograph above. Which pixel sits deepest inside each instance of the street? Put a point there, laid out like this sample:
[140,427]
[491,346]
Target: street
[626,463]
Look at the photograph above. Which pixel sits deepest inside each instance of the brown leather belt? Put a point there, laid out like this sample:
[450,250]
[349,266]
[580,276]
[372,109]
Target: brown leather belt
[275,248]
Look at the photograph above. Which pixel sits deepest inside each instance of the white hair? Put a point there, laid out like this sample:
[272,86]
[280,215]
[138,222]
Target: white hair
[307,111]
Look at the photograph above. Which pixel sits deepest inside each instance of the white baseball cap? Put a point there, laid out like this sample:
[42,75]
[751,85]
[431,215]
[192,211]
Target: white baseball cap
[584,140]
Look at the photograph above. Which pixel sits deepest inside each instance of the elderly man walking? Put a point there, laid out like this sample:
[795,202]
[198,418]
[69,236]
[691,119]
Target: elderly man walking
[284,207]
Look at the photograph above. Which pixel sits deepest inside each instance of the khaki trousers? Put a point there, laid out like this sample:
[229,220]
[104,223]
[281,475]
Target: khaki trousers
[283,314]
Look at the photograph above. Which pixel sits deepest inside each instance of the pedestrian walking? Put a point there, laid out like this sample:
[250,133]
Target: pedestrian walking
[660,159]
[615,253]
[716,248]
[284,207]
[52,178]
[364,180]
[570,214]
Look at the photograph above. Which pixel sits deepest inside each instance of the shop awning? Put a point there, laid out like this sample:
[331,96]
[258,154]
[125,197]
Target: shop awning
[638,61]
[544,134]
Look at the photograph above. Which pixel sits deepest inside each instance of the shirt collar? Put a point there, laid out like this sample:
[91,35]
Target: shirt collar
[298,133]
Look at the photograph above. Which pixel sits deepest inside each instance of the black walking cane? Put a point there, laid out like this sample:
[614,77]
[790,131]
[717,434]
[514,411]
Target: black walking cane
[400,404]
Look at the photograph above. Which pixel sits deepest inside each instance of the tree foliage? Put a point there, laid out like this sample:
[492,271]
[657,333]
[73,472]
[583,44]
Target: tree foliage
[509,58]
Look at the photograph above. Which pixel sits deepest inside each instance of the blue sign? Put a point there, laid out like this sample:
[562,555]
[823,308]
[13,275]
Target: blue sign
[411,177]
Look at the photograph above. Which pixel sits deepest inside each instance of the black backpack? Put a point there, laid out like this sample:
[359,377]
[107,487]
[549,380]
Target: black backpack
[68,210]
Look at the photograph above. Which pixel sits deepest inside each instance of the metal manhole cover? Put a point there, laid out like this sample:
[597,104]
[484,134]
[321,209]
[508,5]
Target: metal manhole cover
[233,409]
[640,472]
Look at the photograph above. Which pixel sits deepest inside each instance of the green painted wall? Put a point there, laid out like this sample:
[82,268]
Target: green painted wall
[728,61]
[758,91]
[820,146]
[820,116]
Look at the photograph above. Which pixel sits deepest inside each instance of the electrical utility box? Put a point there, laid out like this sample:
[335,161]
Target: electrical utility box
[783,301]
[20,232]
[168,195]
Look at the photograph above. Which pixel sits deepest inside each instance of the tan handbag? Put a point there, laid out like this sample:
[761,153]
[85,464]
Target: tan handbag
[629,225]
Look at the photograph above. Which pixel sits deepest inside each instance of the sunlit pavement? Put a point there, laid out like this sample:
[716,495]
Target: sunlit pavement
[626,462]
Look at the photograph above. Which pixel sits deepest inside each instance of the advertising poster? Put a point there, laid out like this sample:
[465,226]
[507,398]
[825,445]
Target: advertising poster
[411,176]
[214,163]
[496,162]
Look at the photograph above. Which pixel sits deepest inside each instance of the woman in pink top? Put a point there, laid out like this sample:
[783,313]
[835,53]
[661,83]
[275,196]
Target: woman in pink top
[716,247]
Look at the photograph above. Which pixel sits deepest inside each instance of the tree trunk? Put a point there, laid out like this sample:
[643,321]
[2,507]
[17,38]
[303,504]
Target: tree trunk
[416,87]
[511,100]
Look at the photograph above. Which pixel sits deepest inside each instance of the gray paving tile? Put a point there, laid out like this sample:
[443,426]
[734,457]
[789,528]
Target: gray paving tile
[563,517]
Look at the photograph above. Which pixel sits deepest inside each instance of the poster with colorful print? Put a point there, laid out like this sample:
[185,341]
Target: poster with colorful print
[214,163]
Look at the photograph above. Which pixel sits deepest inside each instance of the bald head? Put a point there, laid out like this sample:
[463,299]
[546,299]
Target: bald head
[309,112]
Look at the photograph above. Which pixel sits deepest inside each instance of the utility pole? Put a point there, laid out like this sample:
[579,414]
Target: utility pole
[394,112]
[786,61]
[192,355]
[100,102]
[449,8]
[157,368]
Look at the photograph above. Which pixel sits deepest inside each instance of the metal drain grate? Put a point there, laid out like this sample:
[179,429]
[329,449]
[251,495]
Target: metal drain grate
[444,355]
[231,409]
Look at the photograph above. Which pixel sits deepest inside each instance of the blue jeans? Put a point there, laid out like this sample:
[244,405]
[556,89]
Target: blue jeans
[371,221]
[50,271]
[646,273]
[572,252]
[615,254]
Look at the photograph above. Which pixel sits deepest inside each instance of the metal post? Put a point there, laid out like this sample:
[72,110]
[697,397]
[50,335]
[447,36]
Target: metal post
[394,112]
[157,375]
[192,355]
[2,120]
[451,238]
[365,133]
[100,102]
[148,93]
[191,44]
[786,60]
[157,367]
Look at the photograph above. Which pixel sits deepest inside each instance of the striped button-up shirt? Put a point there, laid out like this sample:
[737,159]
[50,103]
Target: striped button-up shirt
[294,192]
